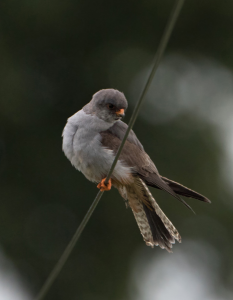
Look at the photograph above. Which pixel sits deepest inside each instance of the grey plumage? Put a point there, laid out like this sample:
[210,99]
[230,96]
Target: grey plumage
[91,139]
[119,128]
[134,156]
[98,105]
[82,146]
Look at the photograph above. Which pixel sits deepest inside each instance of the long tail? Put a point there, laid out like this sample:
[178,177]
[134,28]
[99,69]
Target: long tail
[155,227]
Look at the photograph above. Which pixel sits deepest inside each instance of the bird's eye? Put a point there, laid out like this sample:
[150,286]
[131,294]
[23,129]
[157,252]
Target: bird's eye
[111,106]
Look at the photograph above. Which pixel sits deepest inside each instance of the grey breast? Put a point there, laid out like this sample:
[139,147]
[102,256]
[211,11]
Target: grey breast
[82,146]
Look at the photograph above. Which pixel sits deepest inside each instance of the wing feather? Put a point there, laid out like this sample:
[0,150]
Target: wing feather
[134,156]
[139,161]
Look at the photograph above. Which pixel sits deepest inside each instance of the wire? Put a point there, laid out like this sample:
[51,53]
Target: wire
[162,45]
[156,61]
[56,270]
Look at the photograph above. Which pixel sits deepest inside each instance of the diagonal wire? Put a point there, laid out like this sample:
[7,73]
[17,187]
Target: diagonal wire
[156,61]
[162,45]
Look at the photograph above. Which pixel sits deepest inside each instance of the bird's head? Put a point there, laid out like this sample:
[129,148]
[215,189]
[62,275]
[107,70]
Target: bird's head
[108,105]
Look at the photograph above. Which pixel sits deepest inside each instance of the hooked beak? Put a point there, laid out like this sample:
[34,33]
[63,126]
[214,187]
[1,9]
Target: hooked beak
[120,113]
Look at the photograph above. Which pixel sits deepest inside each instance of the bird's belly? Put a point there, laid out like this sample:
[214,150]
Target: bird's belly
[95,161]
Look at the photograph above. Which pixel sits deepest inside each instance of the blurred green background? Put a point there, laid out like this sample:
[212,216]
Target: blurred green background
[54,56]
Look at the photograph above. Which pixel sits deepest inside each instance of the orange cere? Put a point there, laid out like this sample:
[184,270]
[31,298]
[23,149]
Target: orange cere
[120,111]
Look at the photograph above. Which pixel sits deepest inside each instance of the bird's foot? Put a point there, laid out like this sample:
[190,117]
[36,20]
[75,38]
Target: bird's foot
[103,187]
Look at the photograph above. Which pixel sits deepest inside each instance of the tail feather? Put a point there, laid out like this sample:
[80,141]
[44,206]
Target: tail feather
[161,235]
[155,227]
[155,180]
[158,211]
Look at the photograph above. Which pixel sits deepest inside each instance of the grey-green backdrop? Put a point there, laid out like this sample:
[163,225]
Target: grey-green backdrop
[54,56]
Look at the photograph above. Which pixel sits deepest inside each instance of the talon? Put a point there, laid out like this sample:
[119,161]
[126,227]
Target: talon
[103,187]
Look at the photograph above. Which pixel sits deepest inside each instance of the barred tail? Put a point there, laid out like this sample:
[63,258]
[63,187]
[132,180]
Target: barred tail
[155,227]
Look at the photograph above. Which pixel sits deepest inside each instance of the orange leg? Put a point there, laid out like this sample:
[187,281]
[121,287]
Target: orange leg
[104,187]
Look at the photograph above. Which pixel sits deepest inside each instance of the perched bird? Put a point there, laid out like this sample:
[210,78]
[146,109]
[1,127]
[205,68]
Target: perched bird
[91,139]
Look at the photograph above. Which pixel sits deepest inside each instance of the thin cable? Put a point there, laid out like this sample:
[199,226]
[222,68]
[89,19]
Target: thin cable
[56,270]
[162,45]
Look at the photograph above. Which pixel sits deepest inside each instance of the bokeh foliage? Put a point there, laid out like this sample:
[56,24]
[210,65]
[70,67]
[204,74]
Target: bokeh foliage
[55,55]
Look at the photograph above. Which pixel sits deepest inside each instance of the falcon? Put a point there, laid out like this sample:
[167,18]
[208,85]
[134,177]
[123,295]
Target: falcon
[91,139]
